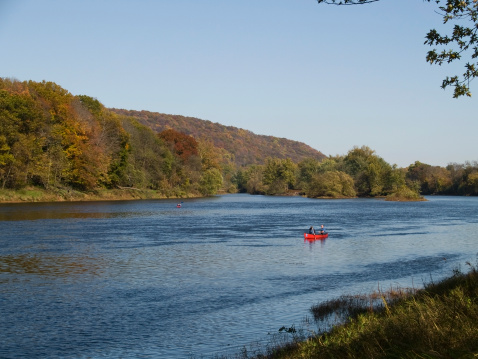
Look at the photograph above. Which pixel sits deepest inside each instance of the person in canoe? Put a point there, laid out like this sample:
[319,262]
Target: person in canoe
[322,229]
[311,230]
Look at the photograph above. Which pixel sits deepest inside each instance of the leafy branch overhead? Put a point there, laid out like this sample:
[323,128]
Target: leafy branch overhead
[346,2]
[461,43]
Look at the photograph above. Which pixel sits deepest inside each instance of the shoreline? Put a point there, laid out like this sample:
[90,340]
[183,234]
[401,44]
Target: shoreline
[36,195]
[39,195]
[406,323]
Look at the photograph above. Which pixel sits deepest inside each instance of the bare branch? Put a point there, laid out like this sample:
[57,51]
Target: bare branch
[346,2]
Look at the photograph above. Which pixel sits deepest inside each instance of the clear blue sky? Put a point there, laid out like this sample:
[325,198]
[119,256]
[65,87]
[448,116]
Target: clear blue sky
[331,77]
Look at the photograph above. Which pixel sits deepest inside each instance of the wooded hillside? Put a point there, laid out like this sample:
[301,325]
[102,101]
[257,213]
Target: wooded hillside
[56,141]
[52,139]
[246,147]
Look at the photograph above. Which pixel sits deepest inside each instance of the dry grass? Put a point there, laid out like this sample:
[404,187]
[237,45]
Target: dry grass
[34,194]
[439,321]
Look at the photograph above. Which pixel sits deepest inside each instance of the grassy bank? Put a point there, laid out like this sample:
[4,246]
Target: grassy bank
[34,194]
[439,321]
[405,194]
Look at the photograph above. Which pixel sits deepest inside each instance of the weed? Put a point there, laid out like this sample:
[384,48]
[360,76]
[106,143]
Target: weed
[439,321]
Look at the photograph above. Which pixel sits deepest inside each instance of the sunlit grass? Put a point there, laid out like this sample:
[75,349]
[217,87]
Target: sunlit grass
[405,194]
[37,194]
[439,321]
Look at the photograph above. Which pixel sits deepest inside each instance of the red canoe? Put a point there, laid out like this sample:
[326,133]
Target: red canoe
[315,236]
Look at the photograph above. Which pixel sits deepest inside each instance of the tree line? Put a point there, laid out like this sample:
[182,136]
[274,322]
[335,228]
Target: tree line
[52,139]
[246,147]
[361,172]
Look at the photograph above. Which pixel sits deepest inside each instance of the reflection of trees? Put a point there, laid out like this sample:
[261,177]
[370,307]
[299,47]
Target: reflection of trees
[42,214]
[48,265]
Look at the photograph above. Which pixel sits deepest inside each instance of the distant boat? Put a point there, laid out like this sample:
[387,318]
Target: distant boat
[312,237]
[178,205]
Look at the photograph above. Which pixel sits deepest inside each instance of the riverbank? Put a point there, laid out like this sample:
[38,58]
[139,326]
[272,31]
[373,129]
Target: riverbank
[34,194]
[440,321]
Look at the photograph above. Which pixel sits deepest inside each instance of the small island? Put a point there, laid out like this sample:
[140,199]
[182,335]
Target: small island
[405,194]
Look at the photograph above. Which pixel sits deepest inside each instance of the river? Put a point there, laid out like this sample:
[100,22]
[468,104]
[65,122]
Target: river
[145,279]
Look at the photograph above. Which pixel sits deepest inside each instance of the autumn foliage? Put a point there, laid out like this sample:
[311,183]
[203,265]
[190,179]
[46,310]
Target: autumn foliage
[52,139]
[184,146]
[245,147]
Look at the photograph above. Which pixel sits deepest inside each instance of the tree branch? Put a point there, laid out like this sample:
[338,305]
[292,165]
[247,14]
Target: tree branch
[346,2]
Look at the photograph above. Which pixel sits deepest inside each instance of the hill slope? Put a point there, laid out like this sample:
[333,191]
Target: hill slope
[247,147]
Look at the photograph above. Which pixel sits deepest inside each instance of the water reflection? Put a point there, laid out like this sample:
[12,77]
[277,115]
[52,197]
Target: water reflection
[38,215]
[59,266]
[132,279]
[82,210]
[312,243]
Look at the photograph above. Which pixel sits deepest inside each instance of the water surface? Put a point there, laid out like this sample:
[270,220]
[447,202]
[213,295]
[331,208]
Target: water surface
[147,279]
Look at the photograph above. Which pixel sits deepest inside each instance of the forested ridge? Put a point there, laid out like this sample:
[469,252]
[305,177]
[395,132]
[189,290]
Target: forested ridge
[247,148]
[59,142]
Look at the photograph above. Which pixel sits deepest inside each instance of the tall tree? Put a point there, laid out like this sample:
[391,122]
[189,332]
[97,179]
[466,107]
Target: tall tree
[253,177]
[182,145]
[432,179]
[370,172]
[210,182]
[279,175]
[334,184]
[462,41]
